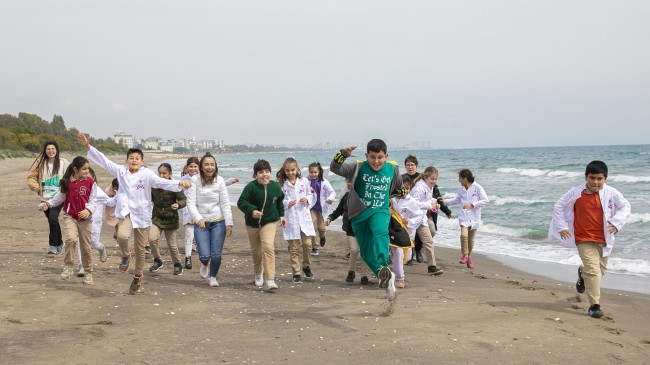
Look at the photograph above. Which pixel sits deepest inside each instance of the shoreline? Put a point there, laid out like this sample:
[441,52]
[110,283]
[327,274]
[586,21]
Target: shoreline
[493,311]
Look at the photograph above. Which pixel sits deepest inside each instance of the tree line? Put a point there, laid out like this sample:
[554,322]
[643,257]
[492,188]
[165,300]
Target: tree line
[28,132]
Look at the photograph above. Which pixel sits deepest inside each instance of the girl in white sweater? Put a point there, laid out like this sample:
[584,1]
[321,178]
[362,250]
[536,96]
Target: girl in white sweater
[209,205]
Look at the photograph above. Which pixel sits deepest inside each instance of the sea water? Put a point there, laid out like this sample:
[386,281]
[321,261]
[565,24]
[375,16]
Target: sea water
[522,184]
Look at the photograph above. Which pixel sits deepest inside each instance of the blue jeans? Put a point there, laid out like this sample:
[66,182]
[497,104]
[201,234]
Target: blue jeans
[209,242]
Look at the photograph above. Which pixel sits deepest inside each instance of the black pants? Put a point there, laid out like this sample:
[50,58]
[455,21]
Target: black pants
[418,243]
[52,216]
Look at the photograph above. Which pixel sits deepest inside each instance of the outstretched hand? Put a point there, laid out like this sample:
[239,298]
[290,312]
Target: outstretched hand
[81,137]
[348,150]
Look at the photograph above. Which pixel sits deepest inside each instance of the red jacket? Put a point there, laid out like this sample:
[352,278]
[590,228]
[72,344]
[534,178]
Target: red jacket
[81,195]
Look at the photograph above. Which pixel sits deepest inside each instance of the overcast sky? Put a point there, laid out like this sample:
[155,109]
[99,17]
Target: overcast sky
[458,73]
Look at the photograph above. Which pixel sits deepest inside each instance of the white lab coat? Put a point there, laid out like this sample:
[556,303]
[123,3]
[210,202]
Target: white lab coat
[327,192]
[298,216]
[134,195]
[474,194]
[616,209]
[423,196]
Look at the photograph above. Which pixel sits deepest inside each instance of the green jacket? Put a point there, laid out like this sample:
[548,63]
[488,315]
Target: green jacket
[267,199]
[163,216]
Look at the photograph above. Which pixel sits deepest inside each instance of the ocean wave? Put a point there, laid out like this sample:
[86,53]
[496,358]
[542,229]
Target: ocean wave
[638,218]
[538,172]
[497,200]
[532,233]
[638,267]
[628,178]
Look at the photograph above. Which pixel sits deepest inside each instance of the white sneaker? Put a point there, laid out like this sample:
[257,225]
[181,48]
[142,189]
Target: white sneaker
[270,285]
[203,271]
[88,278]
[213,282]
[259,278]
[103,255]
[67,272]
[390,290]
[80,270]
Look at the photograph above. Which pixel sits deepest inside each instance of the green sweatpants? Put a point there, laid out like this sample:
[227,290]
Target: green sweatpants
[371,230]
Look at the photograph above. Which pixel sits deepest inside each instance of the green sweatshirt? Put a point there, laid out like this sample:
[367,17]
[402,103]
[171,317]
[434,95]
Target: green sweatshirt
[266,199]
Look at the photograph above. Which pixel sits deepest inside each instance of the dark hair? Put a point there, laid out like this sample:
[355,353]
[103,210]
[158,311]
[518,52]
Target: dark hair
[167,166]
[261,165]
[42,158]
[281,175]
[411,158]
[115,184]
[135,150]
[376,145]
[92,174]
[596,167]
[190,160]
[205,181]
[466,173]
[76,164]
[407,180]
[320,169]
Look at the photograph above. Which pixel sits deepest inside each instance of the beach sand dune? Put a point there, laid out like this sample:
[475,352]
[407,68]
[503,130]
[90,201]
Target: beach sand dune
[491,314]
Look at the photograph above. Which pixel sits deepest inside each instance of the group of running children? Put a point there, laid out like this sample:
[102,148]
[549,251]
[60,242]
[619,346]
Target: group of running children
[389,219]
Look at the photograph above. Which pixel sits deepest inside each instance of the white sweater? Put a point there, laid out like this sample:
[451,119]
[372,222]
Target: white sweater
[209,202]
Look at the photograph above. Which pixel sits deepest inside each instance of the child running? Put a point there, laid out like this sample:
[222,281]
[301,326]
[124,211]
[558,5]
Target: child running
[96,228]
[422,192]
[472,198]
[325,195]
[342,210]
[373,180]
[164,218]
[209,206]
[133,203]
[407,208]
[78,195]
[299,231]
[191,168]
[587,217]
[261,203]
[400,243]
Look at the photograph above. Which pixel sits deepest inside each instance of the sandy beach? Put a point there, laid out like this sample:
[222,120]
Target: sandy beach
[492,314]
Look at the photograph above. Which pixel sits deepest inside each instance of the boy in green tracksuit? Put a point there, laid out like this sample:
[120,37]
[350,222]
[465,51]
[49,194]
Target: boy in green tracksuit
[261,203]
[373,182]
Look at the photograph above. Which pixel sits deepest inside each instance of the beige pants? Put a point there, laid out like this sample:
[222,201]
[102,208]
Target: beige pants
[467,236]
[140,239]
[319,227]
[427,244]
[294,251]
[74,230]
[593,269]
[263,248]
[355,258]
[170,237]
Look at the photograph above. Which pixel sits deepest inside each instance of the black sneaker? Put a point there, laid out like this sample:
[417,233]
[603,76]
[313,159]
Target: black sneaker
[433,270]
[136,285]
[322,242]
[124,265]
[365,281]
[314,251]
[350,277]
[178,269]
[308,273]
[410,262]
[297,279]
[580,284]
[157,264]
[384,277]
[418,256]
[188,263]
[595,311]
